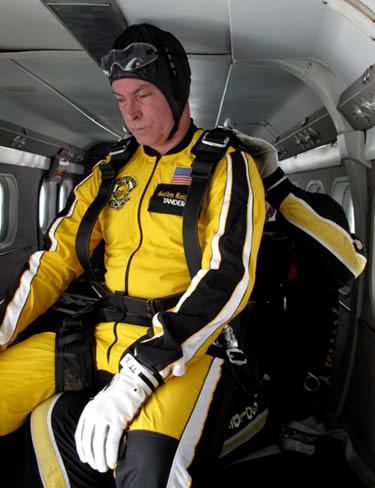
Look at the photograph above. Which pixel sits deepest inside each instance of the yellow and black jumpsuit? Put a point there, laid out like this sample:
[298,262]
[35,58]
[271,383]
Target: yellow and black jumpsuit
[144,257]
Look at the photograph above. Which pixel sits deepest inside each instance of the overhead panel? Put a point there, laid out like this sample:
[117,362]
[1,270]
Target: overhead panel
[357,105]
[17,137]
[314,131]
[357,102]
[94,24]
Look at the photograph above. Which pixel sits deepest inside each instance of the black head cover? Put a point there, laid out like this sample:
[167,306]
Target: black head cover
[170,72]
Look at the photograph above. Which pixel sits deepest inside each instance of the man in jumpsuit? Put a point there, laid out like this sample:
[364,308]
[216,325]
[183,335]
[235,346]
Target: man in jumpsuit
[169,393]
[166,383]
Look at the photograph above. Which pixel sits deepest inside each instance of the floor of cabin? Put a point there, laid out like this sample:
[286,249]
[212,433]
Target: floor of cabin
[325,468]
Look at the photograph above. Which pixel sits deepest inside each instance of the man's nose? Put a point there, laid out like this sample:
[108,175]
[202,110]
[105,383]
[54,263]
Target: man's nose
[132,110]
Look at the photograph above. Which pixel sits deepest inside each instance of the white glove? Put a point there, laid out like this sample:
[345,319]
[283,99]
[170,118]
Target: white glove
[263,152]
[106,417]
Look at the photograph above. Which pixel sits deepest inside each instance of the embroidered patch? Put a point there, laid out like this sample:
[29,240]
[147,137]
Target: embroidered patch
[169,199]
[181,175]
[121,190]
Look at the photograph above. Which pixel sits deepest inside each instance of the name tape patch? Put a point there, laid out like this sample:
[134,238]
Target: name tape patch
[169,199]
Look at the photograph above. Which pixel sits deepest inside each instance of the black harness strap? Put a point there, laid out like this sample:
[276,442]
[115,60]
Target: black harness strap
[88,221]
[209,150]
[75,343]
[119,157]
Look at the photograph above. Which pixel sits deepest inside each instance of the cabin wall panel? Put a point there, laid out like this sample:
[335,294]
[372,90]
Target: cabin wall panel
[325,175]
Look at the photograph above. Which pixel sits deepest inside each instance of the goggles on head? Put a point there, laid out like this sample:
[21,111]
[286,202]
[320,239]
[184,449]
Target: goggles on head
[133,57]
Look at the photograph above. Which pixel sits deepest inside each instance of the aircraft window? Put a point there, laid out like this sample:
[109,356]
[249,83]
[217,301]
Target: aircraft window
[65,189]
[341,192]
[8,209]
[43,207]
[371,263]
[48,204]
[315,186]
[348,207]
[3,212]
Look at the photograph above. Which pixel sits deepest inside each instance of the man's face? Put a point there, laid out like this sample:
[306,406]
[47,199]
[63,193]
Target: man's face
[145,110]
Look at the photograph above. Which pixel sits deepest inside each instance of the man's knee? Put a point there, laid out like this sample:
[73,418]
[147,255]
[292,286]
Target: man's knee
[26,378]
[53,425]
[146,461]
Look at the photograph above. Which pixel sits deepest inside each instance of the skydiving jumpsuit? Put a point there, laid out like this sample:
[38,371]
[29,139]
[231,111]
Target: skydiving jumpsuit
[144,257]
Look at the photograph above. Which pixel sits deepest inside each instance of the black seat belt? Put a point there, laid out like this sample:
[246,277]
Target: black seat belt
[120,156]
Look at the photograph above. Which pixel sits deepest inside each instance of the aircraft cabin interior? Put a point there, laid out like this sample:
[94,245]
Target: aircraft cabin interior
[298,73]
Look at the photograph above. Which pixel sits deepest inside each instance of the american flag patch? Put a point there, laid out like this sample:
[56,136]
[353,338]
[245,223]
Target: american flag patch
[181,175]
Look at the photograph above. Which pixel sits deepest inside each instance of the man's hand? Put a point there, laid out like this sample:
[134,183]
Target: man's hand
[106,417]
[263,152]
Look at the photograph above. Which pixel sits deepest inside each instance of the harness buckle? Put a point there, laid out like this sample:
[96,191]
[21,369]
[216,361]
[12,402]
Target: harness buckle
[236,356]
[153,306]
[234,353]
[120,146]
[219,142]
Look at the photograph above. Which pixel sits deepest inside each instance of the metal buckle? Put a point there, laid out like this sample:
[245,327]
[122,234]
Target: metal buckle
[234,353]
[223,144]
[236,356]
[153,305]
[312,382]
[118,151]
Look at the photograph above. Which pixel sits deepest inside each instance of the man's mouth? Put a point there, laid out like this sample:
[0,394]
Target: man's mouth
[135,129]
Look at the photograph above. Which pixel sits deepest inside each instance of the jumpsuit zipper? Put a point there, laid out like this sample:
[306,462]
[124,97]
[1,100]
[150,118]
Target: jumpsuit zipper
[139,226]
[134,252]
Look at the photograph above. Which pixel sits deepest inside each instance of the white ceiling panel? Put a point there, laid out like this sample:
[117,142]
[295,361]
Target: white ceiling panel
[202,26]
[28,25]
[25,100]
[263,101]
[280,29]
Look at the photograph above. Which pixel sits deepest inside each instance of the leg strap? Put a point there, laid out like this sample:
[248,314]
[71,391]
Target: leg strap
[75,358]
[75,362]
